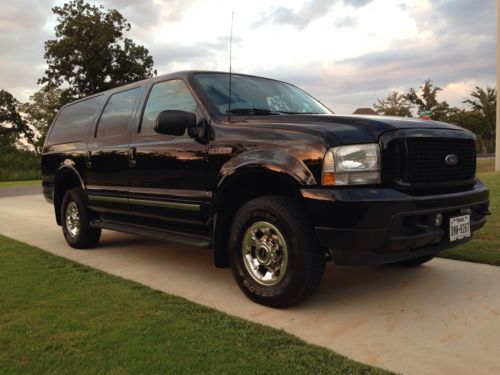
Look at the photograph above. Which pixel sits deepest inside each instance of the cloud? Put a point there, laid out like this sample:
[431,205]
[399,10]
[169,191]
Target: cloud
[22,35]
[144,13]
[149,13]
[361,80]
[453,44]
[178,53]
[347,53]
[464,16]
[346,21]
[310,11]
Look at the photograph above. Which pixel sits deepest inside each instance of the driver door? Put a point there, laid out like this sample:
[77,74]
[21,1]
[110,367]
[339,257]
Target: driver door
[168,181]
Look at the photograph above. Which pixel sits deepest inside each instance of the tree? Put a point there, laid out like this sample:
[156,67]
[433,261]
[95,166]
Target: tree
[426,101]
[90,52]
[12,125]
[39,113]
[395,104]
[470,120]
[483,103]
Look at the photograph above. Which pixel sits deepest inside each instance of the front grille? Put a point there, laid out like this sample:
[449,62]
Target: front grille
[419,162]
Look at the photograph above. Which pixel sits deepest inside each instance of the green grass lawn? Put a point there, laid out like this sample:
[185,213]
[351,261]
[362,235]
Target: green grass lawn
[485,165]
[20,183]
[57,316]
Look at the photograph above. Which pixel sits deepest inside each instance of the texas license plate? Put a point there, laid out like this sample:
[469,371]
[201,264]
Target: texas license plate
[459,227]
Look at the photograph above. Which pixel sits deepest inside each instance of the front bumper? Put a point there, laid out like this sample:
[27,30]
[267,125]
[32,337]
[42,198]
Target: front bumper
[376,225]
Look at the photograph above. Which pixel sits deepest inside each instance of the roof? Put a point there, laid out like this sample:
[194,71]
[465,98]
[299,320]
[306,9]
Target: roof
[364,111]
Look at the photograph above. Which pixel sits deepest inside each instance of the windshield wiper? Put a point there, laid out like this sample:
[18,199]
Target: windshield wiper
[253,111]
[300,113]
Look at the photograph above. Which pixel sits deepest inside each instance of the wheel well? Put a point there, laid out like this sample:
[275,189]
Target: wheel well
[235,193]
[64,181]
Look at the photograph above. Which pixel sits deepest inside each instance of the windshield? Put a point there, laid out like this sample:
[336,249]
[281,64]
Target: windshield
[256,96]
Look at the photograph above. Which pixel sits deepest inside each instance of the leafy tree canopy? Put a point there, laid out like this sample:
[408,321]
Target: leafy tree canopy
[425,99]
[480,117]
[12,124]
[40,111]
[395,104]
[484,102]
[90,53]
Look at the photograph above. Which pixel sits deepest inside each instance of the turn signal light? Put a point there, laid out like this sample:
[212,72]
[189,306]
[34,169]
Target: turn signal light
[328,179]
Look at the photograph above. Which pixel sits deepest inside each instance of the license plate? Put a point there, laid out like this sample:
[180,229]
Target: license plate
[459,227]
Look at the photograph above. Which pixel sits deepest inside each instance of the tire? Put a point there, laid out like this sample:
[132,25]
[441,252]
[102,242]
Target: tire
[287,263]
[415,262]
[75,221]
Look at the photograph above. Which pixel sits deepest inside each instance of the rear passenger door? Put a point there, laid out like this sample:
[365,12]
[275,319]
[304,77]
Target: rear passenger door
[107,156]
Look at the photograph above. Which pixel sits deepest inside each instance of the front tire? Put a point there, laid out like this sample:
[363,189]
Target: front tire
[273,252]
[75,221]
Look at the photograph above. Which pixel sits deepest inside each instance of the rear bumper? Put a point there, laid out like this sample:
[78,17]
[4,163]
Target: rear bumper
[381,225]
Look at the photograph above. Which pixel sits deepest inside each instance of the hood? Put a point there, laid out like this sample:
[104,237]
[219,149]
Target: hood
[345,129]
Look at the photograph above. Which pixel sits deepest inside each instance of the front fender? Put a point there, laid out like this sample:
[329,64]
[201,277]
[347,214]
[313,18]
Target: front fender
[275,161]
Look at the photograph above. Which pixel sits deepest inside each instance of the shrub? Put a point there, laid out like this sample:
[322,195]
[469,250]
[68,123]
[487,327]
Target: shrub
[17,165]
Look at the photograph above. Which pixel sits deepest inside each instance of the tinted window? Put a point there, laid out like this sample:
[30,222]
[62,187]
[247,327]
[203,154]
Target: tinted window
[172,94]
[74,120]
[116,115]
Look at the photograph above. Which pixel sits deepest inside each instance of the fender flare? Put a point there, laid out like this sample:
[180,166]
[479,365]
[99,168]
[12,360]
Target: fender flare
[65,168]
[69,166]
[273,160]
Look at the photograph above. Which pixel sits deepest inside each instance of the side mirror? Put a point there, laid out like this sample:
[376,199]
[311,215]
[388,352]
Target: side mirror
[173,122]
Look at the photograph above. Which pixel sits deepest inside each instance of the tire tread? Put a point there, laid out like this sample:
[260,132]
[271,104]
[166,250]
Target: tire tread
[315,259]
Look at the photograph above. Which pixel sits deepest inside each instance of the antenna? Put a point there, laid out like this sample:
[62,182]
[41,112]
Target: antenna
[230,68]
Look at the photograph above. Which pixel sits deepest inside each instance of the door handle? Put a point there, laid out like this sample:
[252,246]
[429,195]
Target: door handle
[88,160]
[131,157]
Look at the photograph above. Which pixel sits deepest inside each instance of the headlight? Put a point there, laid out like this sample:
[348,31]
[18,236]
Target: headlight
[352,165]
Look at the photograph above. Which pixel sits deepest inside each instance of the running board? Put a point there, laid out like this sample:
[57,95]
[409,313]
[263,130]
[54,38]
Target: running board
[159,234]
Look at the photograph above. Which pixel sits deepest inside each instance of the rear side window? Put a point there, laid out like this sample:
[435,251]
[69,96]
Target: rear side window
[74,120]
[116,115]
[173,95]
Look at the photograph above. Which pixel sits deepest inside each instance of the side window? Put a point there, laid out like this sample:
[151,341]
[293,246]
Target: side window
[166,95]
[74,120]
[116,115]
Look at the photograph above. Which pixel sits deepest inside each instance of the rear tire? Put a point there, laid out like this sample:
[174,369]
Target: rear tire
[273,252]
[75,221]
[415,262]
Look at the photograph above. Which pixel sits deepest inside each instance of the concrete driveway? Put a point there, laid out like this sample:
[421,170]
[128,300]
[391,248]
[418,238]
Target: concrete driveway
[441,318]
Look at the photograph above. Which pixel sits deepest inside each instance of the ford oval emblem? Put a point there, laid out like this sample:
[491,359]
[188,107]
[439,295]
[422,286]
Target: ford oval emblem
[451,159]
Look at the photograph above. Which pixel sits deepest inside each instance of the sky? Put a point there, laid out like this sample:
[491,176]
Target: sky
[346,53]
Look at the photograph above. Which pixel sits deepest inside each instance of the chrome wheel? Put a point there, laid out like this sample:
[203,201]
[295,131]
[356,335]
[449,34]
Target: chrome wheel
[265,253]
[72,219]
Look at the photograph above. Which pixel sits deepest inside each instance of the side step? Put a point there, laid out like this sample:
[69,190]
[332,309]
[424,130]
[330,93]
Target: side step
[159,234]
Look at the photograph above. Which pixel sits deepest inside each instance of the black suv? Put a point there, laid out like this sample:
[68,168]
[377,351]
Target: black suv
[270,179]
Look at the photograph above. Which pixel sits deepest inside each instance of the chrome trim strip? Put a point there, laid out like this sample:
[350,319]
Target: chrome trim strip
[144,202]
[170,192]
[103,198]
[106,188]
[165,204]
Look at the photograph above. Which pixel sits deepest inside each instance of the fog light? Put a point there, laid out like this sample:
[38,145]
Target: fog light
[438,220]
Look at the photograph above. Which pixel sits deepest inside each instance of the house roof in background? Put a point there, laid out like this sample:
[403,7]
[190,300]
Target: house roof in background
[364,111]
